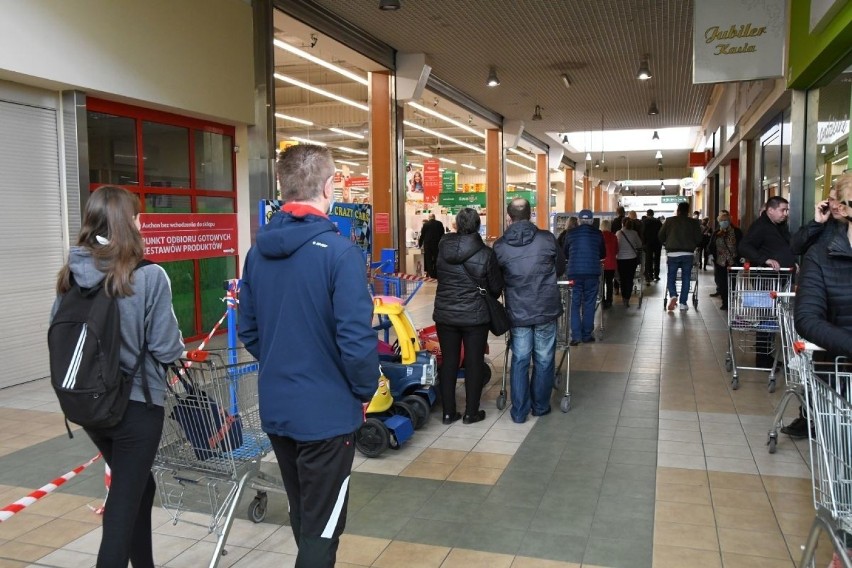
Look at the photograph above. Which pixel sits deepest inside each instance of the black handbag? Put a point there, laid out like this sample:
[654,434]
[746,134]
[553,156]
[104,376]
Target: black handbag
[498,323]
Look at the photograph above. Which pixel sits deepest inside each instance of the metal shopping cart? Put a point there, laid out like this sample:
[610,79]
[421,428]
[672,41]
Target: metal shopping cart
[828,394]
[639,277]
[793,375]
[563,339]
[693,281]
[212,443]
[753,317]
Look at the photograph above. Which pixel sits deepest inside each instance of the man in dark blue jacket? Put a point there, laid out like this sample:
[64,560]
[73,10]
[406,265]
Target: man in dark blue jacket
[306,314]
[584,250]
[530,260]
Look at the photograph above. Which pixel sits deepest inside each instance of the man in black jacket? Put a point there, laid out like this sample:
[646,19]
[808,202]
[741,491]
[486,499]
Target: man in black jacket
[653,247]
[530,260]
[430,236]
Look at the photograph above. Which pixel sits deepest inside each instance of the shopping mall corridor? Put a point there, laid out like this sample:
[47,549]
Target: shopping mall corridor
[658,463]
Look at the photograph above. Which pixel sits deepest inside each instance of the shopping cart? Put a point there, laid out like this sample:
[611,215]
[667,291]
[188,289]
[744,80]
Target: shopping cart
[693,281]
[793,376]
[753,317]
[563,339]
[212,443]
[828,394]
[402,286]
[639,277]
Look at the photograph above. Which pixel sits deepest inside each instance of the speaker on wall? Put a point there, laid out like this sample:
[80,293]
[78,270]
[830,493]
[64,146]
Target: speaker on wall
[412,72]
[512,131]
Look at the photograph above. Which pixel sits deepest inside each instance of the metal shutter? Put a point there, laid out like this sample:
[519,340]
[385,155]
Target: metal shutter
[31,237]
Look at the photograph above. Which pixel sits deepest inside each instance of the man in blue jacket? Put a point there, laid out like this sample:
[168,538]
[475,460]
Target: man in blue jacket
[306,314]
[584,250]
[530,260]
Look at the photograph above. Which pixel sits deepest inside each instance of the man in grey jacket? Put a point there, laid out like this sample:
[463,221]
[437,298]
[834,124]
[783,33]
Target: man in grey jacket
[681,236]
[530,260]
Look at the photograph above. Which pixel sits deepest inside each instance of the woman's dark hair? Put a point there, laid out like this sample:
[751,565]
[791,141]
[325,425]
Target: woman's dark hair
[467,221]
[109,214]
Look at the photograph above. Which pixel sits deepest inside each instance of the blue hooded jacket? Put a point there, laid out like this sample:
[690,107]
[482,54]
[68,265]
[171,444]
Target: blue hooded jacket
[584,250]
[306,315]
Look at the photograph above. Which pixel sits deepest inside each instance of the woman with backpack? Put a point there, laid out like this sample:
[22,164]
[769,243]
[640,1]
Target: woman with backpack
[108,258]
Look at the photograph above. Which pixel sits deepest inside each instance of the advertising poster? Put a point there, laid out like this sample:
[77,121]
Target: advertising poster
[185,236]
[431,180]
[353,220]
[414,183]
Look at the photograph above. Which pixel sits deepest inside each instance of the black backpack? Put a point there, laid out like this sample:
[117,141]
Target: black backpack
[84,344]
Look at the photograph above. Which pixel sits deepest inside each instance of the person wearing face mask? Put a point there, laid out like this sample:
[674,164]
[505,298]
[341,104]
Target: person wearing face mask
[723,247]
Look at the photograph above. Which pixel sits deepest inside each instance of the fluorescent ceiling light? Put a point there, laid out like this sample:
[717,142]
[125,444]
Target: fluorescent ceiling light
[468,166]
[293,119]
[443,136]
[522,154]
[415,165]
[365,173]
[420,153]
[452,121]
[346,133]
[482,169]
[306,141]
[514,163]
[674,138]
[449,161]
[317,90]
[351,150]
[658,155]
[838,160]
[347,163]
[305,55]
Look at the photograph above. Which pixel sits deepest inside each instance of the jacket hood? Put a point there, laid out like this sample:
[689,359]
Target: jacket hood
[82,265]
[520,233]
[456,248]
[285,233]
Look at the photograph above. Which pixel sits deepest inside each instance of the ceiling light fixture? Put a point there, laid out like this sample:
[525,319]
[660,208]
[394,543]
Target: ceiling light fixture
[349,150]
[346,133]
[309,123]
[653,110]
[420,153]
[644,72]
[514,163]
[493,80]
[348,163]
[656,136]
[522,154]
[444,136]
[565,80]
[449,161]
[659,155]
[588,156]
[317,90]
[452,121]
[389,5]
[823,150]
[313,59]
[597,164]
[306,141]
[537,113]
[565,139]
[468,166]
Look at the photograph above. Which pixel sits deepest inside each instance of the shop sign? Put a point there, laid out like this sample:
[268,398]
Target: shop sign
[738,41]
[832,130]
[357,181]
[186,236]
[431,180]
[461,200]
[383,223]
[448,181]
[673,199]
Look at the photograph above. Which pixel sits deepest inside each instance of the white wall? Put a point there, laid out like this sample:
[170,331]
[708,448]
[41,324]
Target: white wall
[188,56]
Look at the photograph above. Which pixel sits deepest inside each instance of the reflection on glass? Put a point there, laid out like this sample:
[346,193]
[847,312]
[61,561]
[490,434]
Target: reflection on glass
[832,144]
[181,274]
[213,159]
[156,203]
[166,155]
[213,272]
[112,149]
[770,161]
[214,204]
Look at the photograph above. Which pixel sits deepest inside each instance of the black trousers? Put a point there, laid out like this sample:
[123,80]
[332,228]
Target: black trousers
[129,449]
[626,274]
[652,261]
[430,260]
[316,478]
[720,275]
[607,289]
[451,338]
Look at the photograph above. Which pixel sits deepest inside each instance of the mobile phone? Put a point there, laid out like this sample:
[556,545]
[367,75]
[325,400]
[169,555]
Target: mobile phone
[823,208]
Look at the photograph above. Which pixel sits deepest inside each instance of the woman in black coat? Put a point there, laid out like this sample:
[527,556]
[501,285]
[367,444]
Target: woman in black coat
[467,270]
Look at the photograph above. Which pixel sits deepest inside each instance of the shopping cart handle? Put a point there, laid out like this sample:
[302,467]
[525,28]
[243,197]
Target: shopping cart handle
[197,355]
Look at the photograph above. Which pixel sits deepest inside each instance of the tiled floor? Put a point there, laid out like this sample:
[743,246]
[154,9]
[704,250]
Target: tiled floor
[658,463]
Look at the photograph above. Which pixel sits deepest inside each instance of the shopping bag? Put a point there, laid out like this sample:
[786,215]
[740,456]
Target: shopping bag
[210,429]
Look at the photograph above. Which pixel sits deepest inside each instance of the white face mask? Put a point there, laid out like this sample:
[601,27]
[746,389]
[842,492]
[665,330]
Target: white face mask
[724,224]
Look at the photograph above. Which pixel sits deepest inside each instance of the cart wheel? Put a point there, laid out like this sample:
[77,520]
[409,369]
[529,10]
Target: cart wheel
[257,508]
[420,406]
[372,438]
[402,408]
[735,383]
[501,400]
[729,365]
[695,300]
[771,385]
[772,442]
[565,405]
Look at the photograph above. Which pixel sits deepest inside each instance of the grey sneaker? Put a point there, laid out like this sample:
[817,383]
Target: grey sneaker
[682,307]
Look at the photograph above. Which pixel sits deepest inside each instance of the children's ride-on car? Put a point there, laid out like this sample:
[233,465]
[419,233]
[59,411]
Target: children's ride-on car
[386,424]
[411,370]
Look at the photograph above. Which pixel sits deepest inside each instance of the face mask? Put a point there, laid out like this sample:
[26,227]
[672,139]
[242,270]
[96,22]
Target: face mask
[724,224]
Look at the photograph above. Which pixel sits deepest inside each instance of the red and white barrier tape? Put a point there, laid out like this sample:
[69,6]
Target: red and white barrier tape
[107,483]
[413,277]
[203,344]
[9,510]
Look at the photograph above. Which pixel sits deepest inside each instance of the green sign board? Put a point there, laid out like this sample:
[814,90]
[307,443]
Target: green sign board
[461,200]
[673,199]
[449,180]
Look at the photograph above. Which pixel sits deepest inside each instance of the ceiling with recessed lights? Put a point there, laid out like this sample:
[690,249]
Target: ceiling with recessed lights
[599,46]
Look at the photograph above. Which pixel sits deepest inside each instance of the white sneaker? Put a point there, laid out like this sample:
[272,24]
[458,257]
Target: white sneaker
[682,307]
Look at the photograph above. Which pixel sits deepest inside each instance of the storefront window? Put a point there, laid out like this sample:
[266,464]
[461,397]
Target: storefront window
[832,143]
[161,203]
[112,149]
[215,205]
[213,161]
[166,155]
[770,162]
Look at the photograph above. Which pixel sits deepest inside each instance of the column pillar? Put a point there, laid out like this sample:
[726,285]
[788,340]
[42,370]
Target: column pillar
[495,206]
[382,160]
[598,205]
[542,192]
[587,191]
[569,190]
[734,206]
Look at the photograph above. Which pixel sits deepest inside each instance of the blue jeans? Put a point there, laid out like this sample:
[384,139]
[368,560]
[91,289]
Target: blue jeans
[583,300]
[538,341]
[685,264]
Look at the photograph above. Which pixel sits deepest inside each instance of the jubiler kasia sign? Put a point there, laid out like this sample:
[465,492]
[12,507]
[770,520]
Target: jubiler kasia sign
[735,40]
[185,236]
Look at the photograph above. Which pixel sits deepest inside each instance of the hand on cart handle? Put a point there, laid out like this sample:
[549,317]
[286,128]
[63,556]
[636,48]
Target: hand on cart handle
[196,355]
